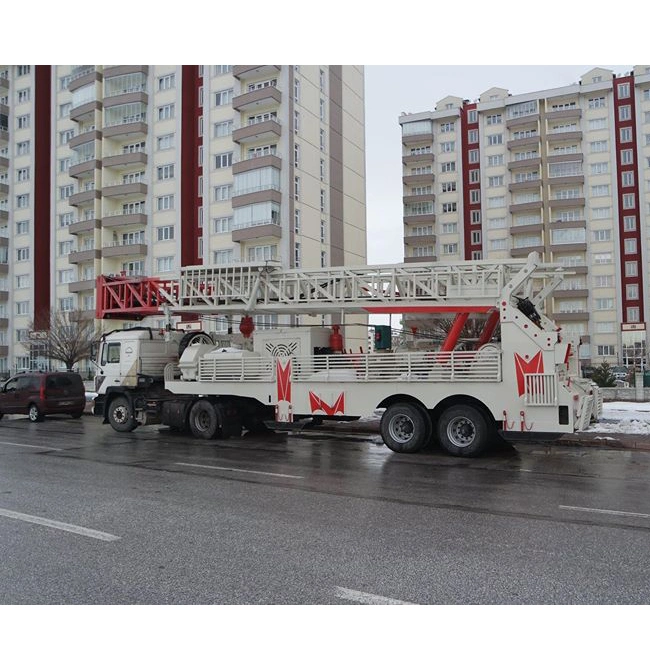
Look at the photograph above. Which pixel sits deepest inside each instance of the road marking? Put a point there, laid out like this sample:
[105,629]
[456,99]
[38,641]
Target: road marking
[20,444]
[368,599]
[620,513]
[233,469]
[61,525]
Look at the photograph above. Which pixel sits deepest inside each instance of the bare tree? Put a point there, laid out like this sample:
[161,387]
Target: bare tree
[65,336]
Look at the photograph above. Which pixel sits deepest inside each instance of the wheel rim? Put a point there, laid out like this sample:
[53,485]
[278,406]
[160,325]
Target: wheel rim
[461,431]
[199,339]
[401,428]
[33,413]
[202,420]
[120,414]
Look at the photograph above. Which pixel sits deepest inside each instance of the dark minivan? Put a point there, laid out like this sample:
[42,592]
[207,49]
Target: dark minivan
[38,394]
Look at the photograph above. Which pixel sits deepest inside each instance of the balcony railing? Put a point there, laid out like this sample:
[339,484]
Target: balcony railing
[133,119]
[258,188]
[256,222]
[124,91]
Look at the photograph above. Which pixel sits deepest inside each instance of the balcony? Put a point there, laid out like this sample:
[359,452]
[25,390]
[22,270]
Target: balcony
[525,251]
[130,96]
[425,137]
[4,350]
[528,229]
[414,158]
[563,136]
[81,285]
[257,99]
[523,120]
[127,128]
[417,179]
[261,196]
[121,249]
[518,186]
[85,167]
[573,202]
[85,110]
[571,293]
[257,131]
[245,72]
[410,219]
[417,198]
[566,157]
[4,189]
[566,180]
[84,225]
[120,218]
[120,70]
[125,160]
[123,190]
[256,230]
[421,259]
[83,76]
[4,295]
[86,196]
[4,162]
[419,240]
[84,138]
[258,162]
[4,215]
[525,163]
[4,83]
[531,206]
[532,141]
[572,316]
[4,323]
[86,255]
[564,114]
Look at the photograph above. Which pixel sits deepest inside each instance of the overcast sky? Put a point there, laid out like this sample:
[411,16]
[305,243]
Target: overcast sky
[391,90]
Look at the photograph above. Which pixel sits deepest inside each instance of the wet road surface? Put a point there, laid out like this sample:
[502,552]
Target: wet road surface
[90,516]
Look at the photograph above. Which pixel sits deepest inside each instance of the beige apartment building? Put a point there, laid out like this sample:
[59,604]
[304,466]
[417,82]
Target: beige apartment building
[565,172]
[139,170]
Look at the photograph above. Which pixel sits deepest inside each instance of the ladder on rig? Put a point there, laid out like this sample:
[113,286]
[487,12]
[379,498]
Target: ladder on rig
[252,288]
[245,288]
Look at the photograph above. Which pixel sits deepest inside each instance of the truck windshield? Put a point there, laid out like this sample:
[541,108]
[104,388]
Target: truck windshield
[110,353]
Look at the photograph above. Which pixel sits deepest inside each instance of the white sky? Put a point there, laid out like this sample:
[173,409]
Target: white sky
[391,90]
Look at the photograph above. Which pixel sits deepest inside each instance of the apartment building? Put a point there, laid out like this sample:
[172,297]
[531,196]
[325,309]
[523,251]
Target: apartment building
[138,170]
[565,172]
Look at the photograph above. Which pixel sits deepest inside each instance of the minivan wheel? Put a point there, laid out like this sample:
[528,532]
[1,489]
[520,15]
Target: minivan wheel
[34,413]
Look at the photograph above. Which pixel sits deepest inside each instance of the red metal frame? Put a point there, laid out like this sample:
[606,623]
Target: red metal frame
[131,298]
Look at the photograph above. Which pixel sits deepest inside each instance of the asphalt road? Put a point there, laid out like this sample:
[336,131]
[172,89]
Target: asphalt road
[89,516]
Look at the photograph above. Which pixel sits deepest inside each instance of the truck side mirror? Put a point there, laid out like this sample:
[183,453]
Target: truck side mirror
[93,351]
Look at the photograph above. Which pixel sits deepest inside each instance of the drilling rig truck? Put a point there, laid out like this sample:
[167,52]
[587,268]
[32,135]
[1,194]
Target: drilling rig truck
[524,385]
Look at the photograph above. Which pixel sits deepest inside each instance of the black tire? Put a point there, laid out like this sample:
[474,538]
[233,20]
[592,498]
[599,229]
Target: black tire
[1,415]
[120,414]
[405,428]
[192,338]
[35,414]
[204,420]
[77,415]
[465,430]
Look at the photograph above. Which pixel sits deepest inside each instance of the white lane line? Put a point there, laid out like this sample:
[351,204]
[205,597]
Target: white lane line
[620,513]
[233,469]
[20,444]
[367,599]
[61,525]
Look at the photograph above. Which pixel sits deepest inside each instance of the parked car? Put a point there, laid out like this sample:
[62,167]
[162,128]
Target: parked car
[620,372]
[38,394]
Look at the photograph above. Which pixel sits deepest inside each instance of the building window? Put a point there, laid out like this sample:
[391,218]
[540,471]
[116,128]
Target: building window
[223,192]
[223,160]
[164,264]
[625,134]
[24,95]
[165,233]
[497,118]
[598,146]
[495,181]
[447,147]
[629,246]
[632,291]
[296,254]
[632,315]
[22,201]
[624,113]
[495,139]
[472,116]
[473,156]
[166,112]
[602,235]
[22,70]
[448,187]
[322,200]
[475,216]
[296,90]
[474,176]
[600,190]
[296,188]
[22,148]
[631,269]
[476,236]
[495,161]
[627,157]
[629,201]
[296,221]
[165,202]
[323,140]
[221,225]
[623,91]
[448,167]
[167,82]
[606,350]
[597,102]
[449,249]
[223,129]
[296,155]
[22,308]
[23,281]
[449,207]
[475,196]
[165,172]
[223,97]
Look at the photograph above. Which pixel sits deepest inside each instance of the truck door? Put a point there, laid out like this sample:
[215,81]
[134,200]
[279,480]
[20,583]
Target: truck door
[110,362]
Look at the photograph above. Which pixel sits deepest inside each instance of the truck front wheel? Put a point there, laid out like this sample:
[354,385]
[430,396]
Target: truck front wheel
[464,430]
[405,428]
[120,415]
[204,420]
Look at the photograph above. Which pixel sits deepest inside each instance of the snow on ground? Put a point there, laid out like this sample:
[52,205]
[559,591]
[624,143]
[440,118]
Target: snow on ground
[624,417]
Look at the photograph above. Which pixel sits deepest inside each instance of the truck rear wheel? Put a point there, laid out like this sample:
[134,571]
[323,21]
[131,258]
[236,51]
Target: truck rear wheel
[204,420]
[464,430]
[405,428]
[120,415]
